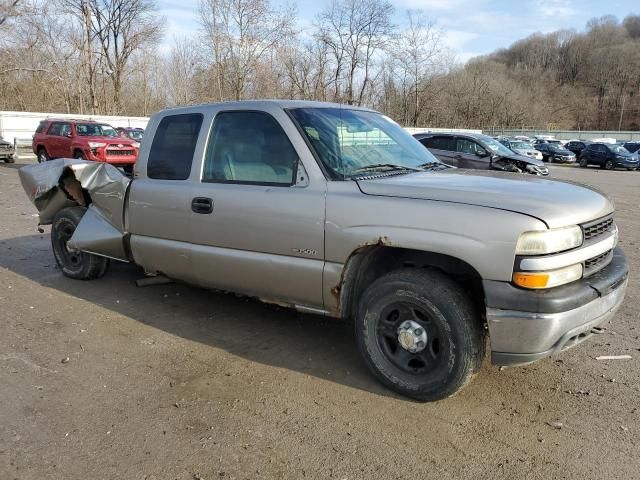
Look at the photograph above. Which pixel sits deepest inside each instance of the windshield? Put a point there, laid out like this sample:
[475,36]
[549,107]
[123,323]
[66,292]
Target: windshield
[618,149]
[349,140]
[95,130]
[520,145]
[495,146]
[556,148]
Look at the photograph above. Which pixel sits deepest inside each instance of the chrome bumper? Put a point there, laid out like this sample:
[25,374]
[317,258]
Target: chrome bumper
[518,338]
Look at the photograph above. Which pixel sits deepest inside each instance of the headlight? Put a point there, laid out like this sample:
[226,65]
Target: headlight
[549,241]
[548,279]
[96,144]
[136,144]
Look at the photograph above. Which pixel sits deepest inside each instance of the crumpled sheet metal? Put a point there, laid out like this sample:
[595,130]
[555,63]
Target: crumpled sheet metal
[101,229]
[106,185]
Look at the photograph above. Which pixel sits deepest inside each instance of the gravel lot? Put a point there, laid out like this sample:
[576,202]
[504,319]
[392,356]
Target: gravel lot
[105,380]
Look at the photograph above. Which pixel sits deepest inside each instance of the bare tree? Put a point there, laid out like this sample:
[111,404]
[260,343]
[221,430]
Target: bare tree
[8,9]
[181,67]
[354,31]
[121,27]
[418,54]
[240,34]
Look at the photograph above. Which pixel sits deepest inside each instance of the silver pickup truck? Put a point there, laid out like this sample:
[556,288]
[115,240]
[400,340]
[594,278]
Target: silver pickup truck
[336,210]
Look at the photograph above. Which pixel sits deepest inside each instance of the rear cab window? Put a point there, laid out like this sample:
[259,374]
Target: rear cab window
[173,146]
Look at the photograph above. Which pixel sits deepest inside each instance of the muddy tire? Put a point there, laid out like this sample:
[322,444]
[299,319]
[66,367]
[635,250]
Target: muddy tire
[78,265]
[426,311]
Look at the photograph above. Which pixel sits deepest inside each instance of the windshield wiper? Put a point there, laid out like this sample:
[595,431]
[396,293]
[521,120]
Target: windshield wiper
[384,167]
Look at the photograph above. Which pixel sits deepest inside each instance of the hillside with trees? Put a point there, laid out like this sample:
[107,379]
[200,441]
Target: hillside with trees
[111,57]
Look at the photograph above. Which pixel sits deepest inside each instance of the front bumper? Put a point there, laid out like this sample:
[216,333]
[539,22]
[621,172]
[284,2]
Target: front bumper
[564,159]
[527,325]
[627,163]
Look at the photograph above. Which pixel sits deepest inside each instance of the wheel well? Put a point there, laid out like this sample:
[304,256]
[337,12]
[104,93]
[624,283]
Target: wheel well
[367,264]
[40,147]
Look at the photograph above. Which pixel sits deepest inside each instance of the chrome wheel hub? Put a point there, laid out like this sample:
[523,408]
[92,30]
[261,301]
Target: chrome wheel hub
[412,336]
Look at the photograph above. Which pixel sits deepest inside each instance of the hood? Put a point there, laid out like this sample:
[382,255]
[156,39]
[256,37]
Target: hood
[110,140]
[561,151]
[526,152]
[624,154]
[557,203]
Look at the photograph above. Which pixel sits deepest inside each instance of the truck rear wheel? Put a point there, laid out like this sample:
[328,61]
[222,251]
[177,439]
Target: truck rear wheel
[74,264]
[419,334]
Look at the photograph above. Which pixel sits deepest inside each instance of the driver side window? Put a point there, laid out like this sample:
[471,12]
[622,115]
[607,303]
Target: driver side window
[249,147]
[470,147]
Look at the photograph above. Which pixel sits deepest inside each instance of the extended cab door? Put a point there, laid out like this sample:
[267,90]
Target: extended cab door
[257,217]
[159,207]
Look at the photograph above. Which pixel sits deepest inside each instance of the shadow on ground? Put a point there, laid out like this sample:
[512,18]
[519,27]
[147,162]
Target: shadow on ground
[263,333]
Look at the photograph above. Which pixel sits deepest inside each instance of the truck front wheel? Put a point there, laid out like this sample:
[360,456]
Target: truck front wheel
[419,334]
[74,264]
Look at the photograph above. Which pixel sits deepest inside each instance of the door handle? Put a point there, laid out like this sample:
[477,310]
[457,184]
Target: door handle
[202,205]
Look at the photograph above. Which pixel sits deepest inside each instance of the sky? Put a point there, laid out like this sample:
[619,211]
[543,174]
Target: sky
[471,27]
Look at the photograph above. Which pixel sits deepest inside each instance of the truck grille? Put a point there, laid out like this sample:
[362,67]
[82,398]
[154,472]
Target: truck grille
[597,227]
[597,263]
[120,153]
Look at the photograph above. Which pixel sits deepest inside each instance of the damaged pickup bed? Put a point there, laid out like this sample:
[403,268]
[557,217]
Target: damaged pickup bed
[338,211]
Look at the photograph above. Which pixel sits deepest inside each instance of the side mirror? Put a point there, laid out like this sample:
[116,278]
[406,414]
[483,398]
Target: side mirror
[68,135]
[482,153]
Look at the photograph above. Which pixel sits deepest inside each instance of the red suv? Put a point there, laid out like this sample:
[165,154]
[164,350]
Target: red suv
[87,140]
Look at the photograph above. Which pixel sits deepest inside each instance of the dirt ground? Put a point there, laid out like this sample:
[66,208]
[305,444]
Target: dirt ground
[105,380]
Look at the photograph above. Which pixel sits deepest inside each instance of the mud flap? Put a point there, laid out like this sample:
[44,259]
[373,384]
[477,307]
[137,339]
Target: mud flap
[57,184]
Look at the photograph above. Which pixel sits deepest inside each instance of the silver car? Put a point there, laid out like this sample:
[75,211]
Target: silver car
[338,211]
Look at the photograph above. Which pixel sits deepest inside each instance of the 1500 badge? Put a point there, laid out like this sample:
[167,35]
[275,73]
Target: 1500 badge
[304,251]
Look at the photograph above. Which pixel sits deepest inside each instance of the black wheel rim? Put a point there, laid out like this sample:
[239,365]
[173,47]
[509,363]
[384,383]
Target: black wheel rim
[63,234]
[426,361]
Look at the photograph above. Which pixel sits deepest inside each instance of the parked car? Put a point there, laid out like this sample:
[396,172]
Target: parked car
[86,140]
[134,134]
[7,151]
[552,152]
[632,147]
[337,210]
[576,146]
[473,150]
[521,147]
[608,156]
[524,138]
